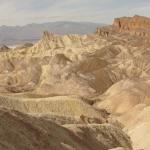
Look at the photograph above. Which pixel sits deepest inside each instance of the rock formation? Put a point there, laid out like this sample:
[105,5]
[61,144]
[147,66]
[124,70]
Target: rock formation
[129,23]
[26,45]
[20,131]
[136,25]
[4,48]
[88,87]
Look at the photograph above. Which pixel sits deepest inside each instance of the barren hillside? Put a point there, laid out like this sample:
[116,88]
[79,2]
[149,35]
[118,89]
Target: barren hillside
[78,91]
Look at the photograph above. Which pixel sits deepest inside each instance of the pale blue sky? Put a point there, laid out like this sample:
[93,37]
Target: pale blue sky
[20,12]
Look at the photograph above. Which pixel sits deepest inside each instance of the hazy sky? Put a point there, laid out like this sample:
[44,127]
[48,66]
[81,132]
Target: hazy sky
[20,12]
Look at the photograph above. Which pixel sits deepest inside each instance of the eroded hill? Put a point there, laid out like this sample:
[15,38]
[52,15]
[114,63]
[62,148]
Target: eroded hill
[88,79]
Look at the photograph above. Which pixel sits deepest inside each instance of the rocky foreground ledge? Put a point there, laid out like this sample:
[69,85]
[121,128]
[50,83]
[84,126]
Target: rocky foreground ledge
[21,132]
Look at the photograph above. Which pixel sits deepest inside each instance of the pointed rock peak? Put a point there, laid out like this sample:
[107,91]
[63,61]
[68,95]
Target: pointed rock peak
[47,35]
[4,48]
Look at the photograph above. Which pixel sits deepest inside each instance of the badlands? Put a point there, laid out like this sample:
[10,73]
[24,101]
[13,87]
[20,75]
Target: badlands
[78,92]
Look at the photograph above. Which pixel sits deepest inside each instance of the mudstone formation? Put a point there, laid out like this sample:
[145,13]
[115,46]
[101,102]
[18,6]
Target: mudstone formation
[82,92]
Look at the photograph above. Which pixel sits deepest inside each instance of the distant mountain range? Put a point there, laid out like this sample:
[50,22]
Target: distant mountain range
[32,32]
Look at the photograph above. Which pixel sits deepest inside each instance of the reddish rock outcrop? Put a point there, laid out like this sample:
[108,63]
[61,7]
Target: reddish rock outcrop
[136,25]
[130,23]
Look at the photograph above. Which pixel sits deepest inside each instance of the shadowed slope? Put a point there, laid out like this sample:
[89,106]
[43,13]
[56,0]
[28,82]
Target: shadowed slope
[17,131]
